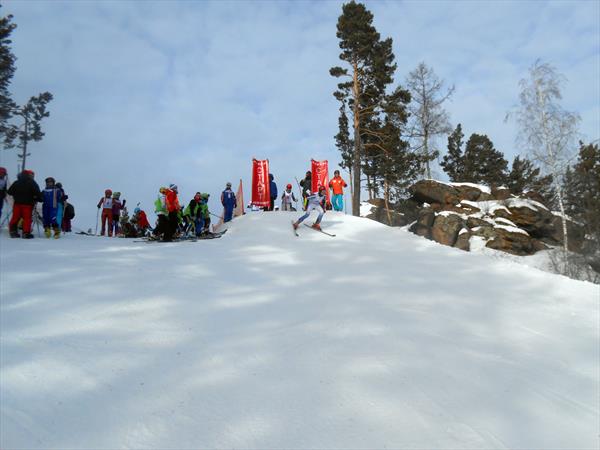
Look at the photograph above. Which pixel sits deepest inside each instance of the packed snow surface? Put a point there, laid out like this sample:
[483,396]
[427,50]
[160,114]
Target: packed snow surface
[375,338]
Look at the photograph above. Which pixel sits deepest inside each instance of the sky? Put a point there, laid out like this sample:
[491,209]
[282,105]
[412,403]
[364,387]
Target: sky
[150,93]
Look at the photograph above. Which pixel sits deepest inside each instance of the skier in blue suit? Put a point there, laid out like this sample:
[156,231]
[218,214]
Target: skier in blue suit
[229,202]
[52,198]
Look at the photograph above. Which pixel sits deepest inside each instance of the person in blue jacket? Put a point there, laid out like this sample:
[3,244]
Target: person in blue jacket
[52,196]
[273,191]
[229,202]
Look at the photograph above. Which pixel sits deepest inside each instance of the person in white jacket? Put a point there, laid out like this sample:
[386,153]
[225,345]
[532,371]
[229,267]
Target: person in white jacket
[315,201]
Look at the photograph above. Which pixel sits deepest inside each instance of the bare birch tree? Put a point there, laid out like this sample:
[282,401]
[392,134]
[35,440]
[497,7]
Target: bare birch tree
[429,118]
[546,130]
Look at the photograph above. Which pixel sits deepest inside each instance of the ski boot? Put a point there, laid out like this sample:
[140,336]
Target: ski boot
[295,225]
[47,232]
[27,236]
[316,226]
[13,232]
[56,233]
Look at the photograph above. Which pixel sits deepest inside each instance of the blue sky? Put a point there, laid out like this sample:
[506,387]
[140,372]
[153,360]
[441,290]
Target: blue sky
[152,93]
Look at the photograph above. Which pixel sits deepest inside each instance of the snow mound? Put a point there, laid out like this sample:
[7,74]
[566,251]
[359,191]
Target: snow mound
[375,338]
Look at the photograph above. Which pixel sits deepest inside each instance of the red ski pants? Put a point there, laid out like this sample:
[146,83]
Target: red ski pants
[24,212]
[106,220]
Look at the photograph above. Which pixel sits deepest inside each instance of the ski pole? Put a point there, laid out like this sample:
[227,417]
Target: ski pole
[97,215]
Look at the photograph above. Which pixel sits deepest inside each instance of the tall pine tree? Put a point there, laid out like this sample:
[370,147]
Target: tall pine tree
[452,163]
[582,189]
[524,176]
[370,67]
[482,162]
[7,70]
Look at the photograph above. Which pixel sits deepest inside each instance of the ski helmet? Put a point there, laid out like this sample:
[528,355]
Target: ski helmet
[29,173]
[50,180]
[2,171]
[117,195]
[289,186]
[59,185]
[108,192]
[322,188]
[162,189]
[173,187]
[136,210]
[228,184]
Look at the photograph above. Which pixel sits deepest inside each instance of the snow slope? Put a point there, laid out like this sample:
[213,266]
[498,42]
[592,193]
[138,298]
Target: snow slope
[373,339]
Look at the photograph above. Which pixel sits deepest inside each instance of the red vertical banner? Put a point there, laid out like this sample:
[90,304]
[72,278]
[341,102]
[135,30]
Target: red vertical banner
[239,197]
[260,183]
[320,175]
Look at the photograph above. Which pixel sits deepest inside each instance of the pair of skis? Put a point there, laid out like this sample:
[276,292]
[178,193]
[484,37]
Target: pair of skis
[308,226]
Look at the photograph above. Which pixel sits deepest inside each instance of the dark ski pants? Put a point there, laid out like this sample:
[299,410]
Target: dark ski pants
[172,224]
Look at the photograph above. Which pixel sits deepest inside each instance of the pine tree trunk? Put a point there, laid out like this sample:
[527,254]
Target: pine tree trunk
[386,197]
[24,142]
[426,147]
[370,187]
[357,152]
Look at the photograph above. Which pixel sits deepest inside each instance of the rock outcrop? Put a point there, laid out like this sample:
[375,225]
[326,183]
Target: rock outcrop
[454,213]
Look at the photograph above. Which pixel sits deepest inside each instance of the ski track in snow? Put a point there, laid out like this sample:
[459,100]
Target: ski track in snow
[374,339]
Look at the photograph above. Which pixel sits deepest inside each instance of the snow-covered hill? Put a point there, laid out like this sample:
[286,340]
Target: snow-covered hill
[375,338]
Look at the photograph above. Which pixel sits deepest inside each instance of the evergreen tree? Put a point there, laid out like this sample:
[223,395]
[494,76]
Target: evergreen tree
[370,69]
[582,190]
[452,163]
[344,143]
[7,70]
[524,176]
[30,129]
[482,162]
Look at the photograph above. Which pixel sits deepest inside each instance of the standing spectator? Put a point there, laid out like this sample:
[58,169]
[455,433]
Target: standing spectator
[160,209]
[106,204]
[306,185]
[287,198]
[173,208]
[116,208]
[229,202]
[3,188]
[52,199]
[337,184]
[273,191]
[61,205]
[205,213]
[68,215]
[25,192]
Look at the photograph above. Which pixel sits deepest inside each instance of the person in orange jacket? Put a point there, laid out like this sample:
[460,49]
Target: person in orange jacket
[337,184]
[173,207]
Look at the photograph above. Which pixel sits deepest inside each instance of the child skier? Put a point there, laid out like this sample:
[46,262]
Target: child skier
[117,206]
[106,219]
[173,210]
[140,220]
[52,197]
[205,213]
[25,193]
[229,202]
[3,188]
[337,184]
[287,198]
[315,201]
[306,185]
[160,209]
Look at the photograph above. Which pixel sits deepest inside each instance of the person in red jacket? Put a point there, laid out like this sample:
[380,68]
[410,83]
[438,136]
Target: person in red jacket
[173,207]
[337,184]
[106,203]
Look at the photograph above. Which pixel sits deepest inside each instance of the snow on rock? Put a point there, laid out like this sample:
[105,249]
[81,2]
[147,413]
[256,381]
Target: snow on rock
[524,203]
[373,339]
[481,187]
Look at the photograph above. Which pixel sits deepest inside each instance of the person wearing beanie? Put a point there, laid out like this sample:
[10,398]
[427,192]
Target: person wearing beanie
[229,203]
[25,193]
